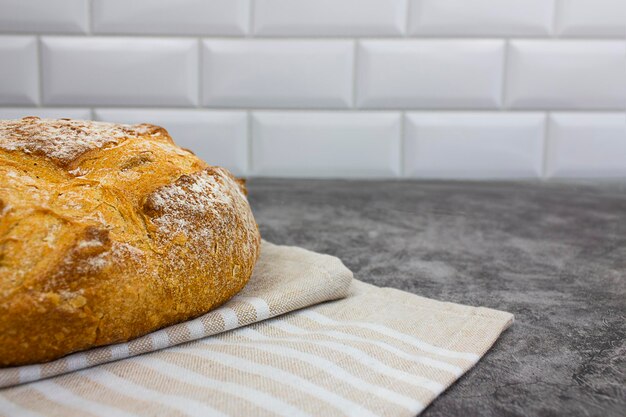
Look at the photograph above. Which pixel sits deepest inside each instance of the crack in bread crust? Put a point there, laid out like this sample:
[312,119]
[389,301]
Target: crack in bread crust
[108,232]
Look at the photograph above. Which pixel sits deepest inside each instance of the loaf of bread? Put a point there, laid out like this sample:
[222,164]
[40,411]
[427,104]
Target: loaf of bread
[108,232]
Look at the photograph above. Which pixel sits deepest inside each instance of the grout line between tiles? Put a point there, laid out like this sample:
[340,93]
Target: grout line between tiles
[249,160]
[546,147]
[618,110]
[300,38]
[355,63]
[555,18]
[89,6]
[624,73]
[505,70]
[407,19]
[251,11]
[39,71]
[401,172]
[200,70]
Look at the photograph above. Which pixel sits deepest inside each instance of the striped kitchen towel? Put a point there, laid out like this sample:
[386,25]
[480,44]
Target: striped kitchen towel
[376,352]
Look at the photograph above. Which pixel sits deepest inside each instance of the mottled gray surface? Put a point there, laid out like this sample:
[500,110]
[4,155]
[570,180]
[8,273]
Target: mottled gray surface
[554,255]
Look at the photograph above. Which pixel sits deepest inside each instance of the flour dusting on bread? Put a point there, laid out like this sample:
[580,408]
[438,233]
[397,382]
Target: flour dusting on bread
[63,140]
[197,206]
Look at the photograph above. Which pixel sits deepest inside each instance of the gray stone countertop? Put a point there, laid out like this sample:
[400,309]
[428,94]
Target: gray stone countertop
[554,255]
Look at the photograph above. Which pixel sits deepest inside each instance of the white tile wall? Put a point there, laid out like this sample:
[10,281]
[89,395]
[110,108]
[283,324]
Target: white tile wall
[47,16]
[218,137]
[119,71]
[481,17]
[45,113]
[478,145]
[566,74]
[326,144]
[330,17]
[277,73]
[601,18]
[429,74]
[586,145]
[327,88]
[19,82]
[176,17]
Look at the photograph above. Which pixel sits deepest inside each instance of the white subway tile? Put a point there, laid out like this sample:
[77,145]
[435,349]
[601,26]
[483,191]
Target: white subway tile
[18,70]
[429,73]
[586,145]
[566,74]
[603,18]
[330,17]
[45,113]
[119,71]
[326,144]
[277,73]
[176,17]
[481,17]
[474,145]
[48,16]
[218,137]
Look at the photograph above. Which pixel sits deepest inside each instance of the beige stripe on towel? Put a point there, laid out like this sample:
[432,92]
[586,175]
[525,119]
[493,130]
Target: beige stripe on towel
[377,352]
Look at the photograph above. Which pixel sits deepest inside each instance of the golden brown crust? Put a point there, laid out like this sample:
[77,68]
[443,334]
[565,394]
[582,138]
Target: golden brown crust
[108,232]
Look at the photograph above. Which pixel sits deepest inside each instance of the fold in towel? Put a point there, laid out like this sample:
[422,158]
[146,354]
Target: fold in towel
[377,352]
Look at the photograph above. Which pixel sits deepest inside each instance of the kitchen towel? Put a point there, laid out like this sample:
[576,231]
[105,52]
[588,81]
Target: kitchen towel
[376,352]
